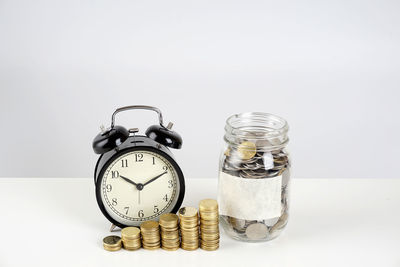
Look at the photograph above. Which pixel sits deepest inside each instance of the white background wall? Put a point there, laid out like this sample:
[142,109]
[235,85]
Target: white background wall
[331,68]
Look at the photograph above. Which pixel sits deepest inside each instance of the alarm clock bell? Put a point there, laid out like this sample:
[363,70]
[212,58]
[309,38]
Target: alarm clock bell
[111,138]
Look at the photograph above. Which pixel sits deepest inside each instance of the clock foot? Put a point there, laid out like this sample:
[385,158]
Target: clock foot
[112,227]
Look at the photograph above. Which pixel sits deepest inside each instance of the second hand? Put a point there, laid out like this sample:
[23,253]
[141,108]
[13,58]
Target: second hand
[139,196]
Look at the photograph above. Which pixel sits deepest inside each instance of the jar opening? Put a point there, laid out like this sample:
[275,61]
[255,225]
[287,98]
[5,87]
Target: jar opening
[257,127]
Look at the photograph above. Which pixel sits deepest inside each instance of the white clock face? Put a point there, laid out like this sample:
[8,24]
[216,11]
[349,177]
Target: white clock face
[138,186]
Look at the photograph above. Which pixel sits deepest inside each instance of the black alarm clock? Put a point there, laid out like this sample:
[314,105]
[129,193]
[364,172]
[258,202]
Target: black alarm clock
[136,176]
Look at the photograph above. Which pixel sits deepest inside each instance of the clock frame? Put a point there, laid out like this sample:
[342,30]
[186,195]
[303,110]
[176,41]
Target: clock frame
[135,143]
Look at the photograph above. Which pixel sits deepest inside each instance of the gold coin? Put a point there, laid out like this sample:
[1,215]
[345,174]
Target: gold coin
[189,248]
[189,224]
[174,244]
[227,152]
[209,222]
[209,233]
[189,236]
[209,219]
[149,226]
[187,212]
[209,243]
[190,239]
[151,244]
[151,241]
[176,232]
[131,243]
[169,237]
[210,239]
[151,248]
[204,214]
[112,248]
[213,235]
[112,243]
[132,248]
[214,228]
[170,249]
[247,150]
[208,205]
[168,219]
[209,248]
[112,240]
[130,233]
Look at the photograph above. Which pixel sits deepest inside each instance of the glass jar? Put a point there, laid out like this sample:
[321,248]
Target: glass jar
[254,175]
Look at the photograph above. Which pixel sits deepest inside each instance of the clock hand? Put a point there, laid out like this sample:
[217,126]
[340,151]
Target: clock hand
[155,178]
[129,181]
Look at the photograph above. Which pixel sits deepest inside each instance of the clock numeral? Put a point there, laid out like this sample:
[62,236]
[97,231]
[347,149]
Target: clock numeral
[114,202]
[109,188]
[114,174]
[165,197]
[156,210]
[170,184]
[140,214]
[165,168]
[126,210]
[138,157]
[154,161]
[124,163]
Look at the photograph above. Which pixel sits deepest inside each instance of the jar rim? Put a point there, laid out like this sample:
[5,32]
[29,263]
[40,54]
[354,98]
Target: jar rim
[257,127]
[270,125]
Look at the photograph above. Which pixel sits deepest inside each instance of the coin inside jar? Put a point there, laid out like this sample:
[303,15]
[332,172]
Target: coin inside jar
[247,150]
[257,231]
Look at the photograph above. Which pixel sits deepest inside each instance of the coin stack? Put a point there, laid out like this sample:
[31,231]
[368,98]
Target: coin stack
[112,243]
[209,230]
[169,231]
[189,224]
[131,238]
[254,160]
[150,234]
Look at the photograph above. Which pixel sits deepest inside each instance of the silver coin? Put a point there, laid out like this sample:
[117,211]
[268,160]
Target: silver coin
[280,223]
[271,222]
[285,177]
[237,224]
[263,143]
[257,231]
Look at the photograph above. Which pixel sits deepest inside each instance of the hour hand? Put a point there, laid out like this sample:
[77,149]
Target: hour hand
[128,180]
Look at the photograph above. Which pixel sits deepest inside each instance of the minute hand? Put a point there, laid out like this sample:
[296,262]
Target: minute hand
[155,178]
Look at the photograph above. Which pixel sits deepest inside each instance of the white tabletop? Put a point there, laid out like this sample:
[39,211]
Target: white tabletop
[333,222]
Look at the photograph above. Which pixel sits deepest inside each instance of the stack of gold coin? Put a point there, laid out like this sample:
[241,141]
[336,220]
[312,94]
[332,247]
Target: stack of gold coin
[169,231]
[150,234]
[189,223]
[209,224]
[112,243]
[131,238]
